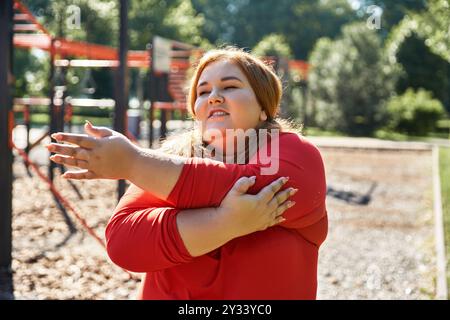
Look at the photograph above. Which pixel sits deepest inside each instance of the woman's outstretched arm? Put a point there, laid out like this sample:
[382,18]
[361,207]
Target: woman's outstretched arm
[107,154]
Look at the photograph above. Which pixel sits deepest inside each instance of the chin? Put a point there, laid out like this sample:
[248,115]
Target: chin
[214,126]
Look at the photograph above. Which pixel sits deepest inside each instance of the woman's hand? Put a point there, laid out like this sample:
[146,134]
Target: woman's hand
[243,213]
[101,153]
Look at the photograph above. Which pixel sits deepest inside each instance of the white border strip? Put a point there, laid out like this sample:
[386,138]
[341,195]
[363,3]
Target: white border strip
[441,276]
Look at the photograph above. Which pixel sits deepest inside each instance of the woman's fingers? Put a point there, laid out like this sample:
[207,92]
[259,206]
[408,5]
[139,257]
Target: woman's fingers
[278,213]
[98,132]
[70,161]
[281,197]
[69,150]
[283,207]
[243,184]
[278,220]
[79,175]
[267,193]
[82,140]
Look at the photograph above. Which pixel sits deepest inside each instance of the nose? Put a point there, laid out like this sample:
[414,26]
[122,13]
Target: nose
[215,98]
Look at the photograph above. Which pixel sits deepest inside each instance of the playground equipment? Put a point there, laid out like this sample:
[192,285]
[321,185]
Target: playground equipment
[6,157]
[167,62]
[165,82]
[20,29]
[42,40]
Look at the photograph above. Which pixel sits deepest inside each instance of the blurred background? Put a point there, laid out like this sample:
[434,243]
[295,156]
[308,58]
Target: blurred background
[369,80]
[376,67]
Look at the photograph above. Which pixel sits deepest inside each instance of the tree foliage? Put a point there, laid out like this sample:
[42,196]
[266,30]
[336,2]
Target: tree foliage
[434,26]
[351,80]
[423,69]
[273,45]
[414,112]
[247,22]
[415,33]
[421,44]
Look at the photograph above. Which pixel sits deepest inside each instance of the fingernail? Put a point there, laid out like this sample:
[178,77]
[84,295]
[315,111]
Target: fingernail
[291,204]
[285,179]
[293,191]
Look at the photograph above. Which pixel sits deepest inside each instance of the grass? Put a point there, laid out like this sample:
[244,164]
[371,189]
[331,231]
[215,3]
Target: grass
[316,132]
[379,134]
[42,119]
[444,170]
[396,136]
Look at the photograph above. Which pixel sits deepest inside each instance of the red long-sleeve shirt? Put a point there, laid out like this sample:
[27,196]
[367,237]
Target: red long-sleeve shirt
[277,263]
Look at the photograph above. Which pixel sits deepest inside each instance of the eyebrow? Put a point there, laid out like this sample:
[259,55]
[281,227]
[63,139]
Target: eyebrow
[223,79]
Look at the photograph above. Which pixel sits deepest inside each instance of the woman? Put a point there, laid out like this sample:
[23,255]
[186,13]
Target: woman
[202,227]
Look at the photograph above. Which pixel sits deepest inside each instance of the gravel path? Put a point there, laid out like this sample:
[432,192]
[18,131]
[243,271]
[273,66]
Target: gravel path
[383,250]
[49,262]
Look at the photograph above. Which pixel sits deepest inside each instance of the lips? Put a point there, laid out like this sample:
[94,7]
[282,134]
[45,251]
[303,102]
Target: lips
[217,113]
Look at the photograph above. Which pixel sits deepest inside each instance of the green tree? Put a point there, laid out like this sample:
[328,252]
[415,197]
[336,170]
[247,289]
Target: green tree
[392,11]
[30,74]
[351,80]
[247,22]
[186,22]
[414,112]
[421,43]
[99,24]
[423,69]
[273,45]
[173,19]
[434,27]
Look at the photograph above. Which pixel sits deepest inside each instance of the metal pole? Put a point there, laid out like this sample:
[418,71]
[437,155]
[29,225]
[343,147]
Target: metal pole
[151,81]
[304,89]
[163,128]
[6,156]
[54,113]
[120,114]
[52,108]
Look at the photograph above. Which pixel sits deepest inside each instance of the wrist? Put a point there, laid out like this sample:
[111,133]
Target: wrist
[227,223]
[132,163]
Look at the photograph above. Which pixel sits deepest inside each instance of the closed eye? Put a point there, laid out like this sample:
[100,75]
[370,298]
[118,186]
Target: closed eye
[203,92]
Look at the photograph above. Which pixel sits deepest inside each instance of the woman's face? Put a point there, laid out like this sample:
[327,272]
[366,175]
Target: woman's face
[225,99]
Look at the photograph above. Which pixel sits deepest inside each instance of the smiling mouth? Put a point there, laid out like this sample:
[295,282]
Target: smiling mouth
[218,114]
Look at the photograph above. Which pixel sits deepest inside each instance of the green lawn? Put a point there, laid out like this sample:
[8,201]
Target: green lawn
[444,170]
[42,119]
[389,135]
[316,132]
[379,134]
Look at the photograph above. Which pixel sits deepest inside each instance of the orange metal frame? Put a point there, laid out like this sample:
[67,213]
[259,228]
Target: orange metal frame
[63,47]
[108,56]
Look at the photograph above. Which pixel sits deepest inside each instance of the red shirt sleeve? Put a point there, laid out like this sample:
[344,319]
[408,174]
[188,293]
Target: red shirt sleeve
[142,234]
[205,182]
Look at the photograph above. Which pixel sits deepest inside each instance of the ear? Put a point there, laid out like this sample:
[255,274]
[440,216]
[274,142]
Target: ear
[263,116]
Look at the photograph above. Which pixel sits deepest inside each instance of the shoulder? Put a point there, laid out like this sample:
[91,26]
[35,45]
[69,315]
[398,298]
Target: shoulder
[296,145]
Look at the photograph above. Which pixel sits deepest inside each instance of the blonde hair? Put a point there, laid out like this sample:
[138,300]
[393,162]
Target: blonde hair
[264,82]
